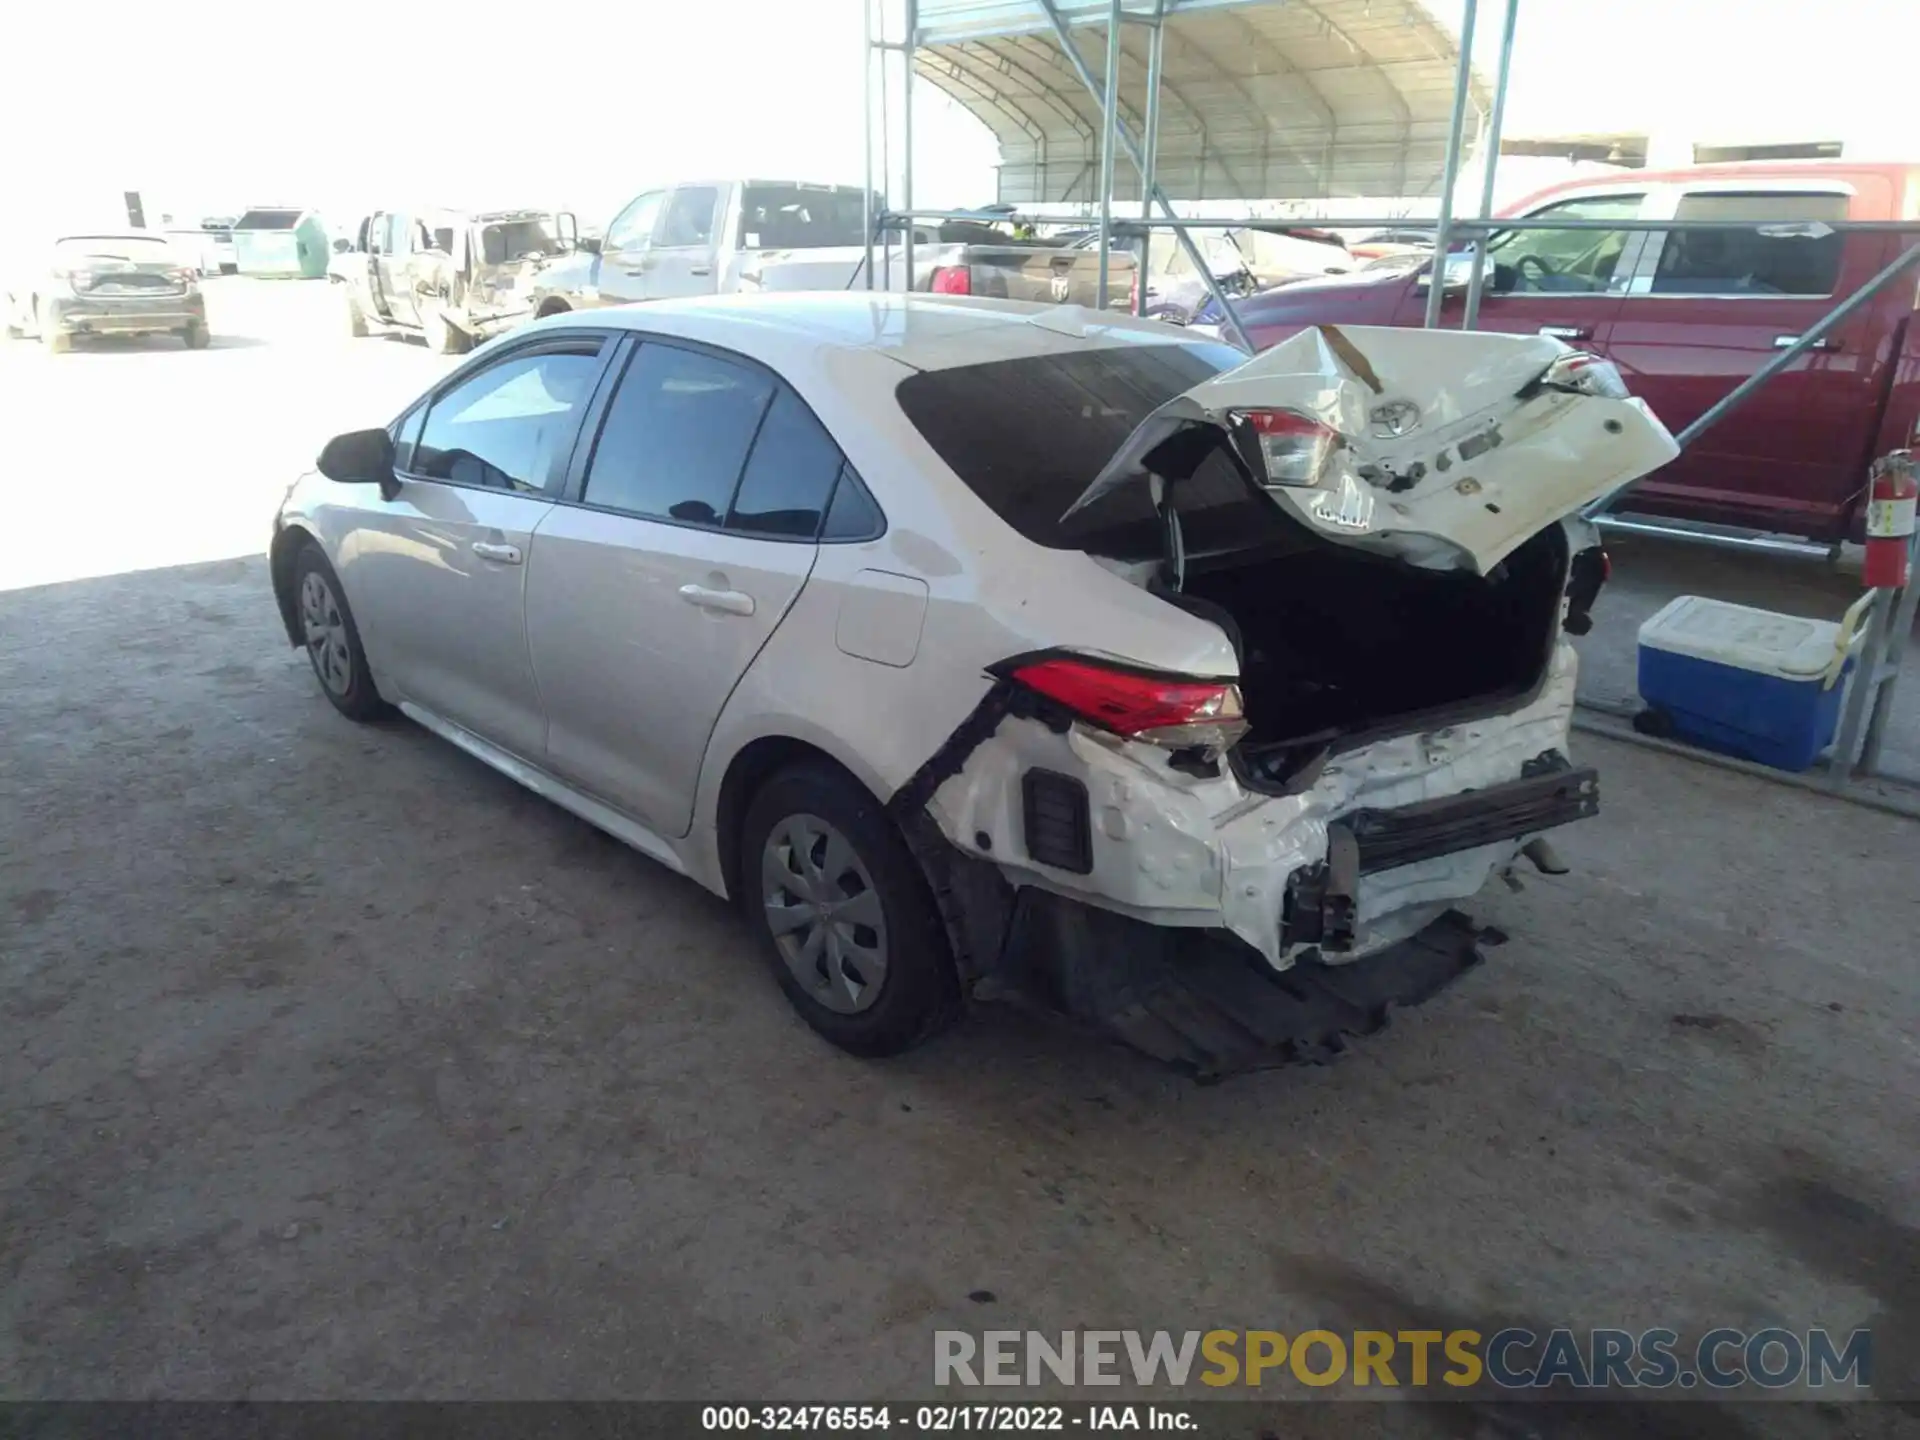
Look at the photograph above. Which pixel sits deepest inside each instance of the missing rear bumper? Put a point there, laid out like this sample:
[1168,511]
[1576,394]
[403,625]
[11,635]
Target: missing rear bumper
[1206,1003]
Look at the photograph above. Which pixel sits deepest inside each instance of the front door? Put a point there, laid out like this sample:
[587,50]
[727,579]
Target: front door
[1564,283]
[1709,308]
[681,261]
[438,574]
[649,595]
[625,251]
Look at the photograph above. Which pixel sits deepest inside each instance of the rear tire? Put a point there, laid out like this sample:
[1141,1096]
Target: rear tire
[51,336]
[332,639]
[197,336]
[844,913]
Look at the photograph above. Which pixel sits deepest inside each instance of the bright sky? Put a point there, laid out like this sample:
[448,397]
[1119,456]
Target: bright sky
[345,108]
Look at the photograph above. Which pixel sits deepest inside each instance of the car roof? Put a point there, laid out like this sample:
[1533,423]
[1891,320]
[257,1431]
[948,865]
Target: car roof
[922,331]
[1902,173]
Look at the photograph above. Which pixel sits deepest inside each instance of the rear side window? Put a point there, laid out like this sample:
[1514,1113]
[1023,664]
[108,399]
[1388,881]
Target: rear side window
[689,218]
[1751,262]
[676,435]
[1029,435]
[504,428]
[790,476]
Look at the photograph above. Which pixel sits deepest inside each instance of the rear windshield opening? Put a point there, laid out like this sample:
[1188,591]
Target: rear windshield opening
[268,220]
[801,217]
[1028,436]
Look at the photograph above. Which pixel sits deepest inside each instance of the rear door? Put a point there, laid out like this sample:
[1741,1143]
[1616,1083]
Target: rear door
[688,529]
[625,253]
[681,260]
[1563,283]
[1709,307]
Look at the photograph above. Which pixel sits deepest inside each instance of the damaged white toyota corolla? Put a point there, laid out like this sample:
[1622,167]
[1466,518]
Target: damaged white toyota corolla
[975,647]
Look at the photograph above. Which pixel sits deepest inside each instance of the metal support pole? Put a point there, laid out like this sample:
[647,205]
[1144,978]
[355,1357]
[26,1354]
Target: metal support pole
[1109,122]
[1150,152]
[1899,635]
[906,134]
[866,136]
[1490,160]
[1125,137]
[1450,173]
[1808,338]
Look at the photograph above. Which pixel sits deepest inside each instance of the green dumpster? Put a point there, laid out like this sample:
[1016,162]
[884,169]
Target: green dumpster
[280,240]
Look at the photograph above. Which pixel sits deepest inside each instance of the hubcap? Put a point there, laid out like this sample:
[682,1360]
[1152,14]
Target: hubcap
[824,913]
[326,633]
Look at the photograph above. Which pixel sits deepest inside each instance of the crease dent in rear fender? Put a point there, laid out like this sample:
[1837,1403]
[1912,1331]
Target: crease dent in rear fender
[1175,849]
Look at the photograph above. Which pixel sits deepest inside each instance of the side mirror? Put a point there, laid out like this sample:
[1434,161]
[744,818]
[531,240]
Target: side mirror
[360,457]
[589,244]
[343,246]
[566,229]
[1459,272]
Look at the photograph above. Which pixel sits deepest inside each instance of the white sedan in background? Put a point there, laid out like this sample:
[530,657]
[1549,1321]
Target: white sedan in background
[964,640]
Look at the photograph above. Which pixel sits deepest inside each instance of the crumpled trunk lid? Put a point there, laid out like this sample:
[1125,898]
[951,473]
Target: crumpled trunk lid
[1445,449]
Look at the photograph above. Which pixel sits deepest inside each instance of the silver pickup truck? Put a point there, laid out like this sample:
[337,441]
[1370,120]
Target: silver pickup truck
[457,277]
[717,237]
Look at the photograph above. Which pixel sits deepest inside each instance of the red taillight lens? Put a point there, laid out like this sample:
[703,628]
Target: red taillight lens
[1133,293]
[1294,447]
[952,280]
[1158,709]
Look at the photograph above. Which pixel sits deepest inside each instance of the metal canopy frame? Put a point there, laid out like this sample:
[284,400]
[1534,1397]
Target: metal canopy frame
[1869,702]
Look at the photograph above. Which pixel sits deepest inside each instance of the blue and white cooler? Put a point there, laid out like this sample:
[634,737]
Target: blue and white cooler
[1751,683]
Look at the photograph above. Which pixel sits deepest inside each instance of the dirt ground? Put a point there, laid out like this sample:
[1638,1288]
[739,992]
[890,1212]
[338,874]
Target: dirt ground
[337,1066]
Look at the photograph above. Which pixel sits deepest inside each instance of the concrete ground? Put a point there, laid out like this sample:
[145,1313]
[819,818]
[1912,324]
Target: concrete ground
[337,1066]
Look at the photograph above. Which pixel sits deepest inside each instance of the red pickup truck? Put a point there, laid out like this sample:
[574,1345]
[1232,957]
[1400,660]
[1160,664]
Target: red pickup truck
[1687,314]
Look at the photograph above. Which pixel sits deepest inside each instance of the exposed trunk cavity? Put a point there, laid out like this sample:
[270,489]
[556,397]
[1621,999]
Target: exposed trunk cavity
[1338,645]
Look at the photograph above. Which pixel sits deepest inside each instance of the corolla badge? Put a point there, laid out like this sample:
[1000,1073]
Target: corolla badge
[1394,419]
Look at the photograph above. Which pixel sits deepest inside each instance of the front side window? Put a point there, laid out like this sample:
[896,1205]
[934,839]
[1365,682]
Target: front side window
[1565,261]
[1751,262]
[676,435]
[632,228]
[504,428]
[689,216]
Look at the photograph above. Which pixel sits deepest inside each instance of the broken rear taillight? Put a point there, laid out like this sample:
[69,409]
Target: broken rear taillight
[1160,709]
[952,280]
[1294,448]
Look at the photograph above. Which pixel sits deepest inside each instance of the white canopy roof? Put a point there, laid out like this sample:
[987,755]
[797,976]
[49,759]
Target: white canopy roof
[1260,99]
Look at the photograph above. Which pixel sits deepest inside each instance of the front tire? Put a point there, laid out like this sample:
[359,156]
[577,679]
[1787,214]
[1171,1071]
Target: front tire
[332,639]
[845,913]
[51,336]
[356,317]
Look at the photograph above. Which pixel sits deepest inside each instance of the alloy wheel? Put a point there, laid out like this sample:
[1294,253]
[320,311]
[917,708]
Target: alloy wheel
[824,913]
[326,633]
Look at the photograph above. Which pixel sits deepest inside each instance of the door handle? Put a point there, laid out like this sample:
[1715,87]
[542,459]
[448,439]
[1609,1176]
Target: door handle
[701,270]
[1784,342]
[1567,332]
[727,602]
[504,554]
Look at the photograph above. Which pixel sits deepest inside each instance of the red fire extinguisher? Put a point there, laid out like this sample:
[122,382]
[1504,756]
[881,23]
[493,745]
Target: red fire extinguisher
[1892,488]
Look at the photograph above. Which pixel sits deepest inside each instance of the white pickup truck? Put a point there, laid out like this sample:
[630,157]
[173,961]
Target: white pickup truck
[717,237]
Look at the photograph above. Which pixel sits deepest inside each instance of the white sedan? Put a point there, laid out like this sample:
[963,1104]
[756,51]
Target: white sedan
[965,641]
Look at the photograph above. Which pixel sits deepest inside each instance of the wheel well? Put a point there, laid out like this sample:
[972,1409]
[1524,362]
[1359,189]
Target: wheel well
[280,558]
[552,307]
[751,769]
